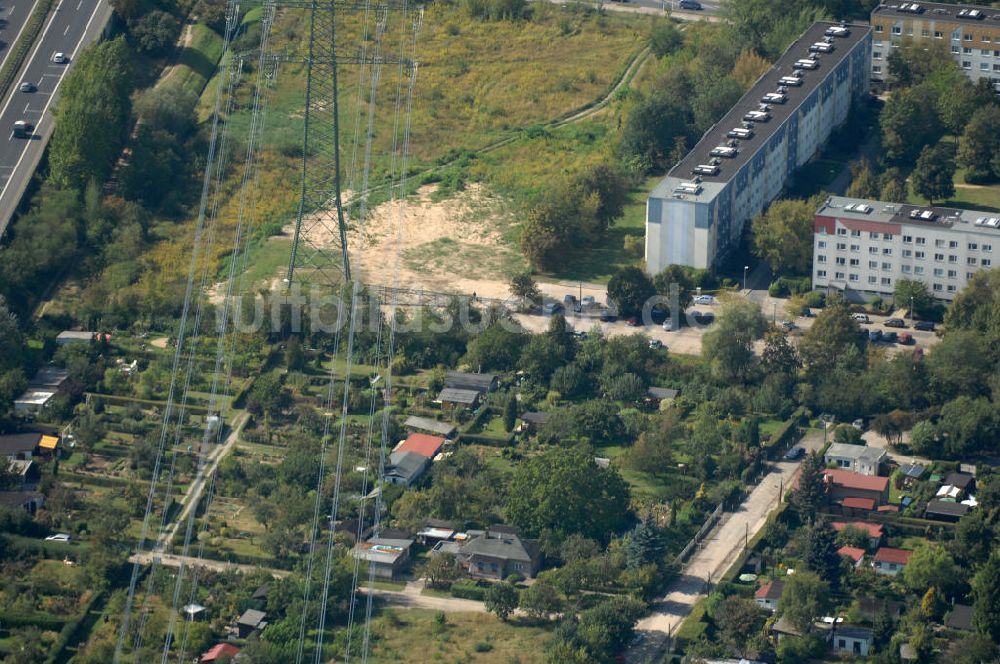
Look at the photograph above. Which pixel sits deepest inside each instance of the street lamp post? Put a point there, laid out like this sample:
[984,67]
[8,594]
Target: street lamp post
[912,317]
[745,268]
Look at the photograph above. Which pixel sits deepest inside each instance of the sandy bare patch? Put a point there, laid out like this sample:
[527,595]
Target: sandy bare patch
[159,342]
[454,245]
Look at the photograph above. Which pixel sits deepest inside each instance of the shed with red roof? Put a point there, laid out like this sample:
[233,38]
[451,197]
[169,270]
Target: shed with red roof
[422,444]
[845,484]
[216,652]
[891,561]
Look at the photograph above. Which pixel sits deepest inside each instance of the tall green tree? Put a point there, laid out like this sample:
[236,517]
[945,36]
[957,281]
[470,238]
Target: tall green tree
[932,566]
[986,598]
[811,491]
[92,115]
[729,344]
[979,146]
[564,492]
[501,600]
[934,175]
[804,598]
[783,235]
[629,289]
[907,125]
[833,336]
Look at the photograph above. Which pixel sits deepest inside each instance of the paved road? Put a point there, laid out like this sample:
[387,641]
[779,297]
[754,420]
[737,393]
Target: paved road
[13,18]
[717,553]
[169,560]
[71,25]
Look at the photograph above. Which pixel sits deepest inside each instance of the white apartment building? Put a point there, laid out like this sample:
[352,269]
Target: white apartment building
[696,214]
[863,248]
[972,33]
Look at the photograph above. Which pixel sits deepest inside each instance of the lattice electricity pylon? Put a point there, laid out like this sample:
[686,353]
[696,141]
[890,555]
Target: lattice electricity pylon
[321,205]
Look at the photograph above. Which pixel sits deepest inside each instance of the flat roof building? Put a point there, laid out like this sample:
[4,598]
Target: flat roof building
[862,247]
[696,214]
[971,34]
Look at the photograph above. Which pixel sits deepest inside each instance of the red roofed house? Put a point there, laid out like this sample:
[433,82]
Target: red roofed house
[422,444]
[767,595]
[845,484]
[874,530]
[853,553]
[890,561]
[862,504]
[216,652]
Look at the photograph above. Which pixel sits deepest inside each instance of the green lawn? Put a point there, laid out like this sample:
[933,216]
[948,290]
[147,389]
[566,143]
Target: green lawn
[197,61]
[967,196]
[413,635]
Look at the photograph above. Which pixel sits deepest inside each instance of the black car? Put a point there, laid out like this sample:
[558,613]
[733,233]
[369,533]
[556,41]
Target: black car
[890,337]
[795,453]
[924,326]
[895,322]
[608,316]
[689,4]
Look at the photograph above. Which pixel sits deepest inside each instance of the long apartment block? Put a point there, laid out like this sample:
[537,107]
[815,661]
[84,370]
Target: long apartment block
[696,214]
[972,33]
[862,248]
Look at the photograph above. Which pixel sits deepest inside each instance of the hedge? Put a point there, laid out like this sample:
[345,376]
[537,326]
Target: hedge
[784,435]
[468,590]
[693,627]
[72,629]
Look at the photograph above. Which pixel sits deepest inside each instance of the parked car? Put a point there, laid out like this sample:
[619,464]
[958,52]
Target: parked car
[668,325]
[795,453]
[58,537]
[608,316]
[890,337]
[924,326]
[703,299]
[588,301]
[875,335]
[905,338]
[787,325]
[551,308]
[692,5]
[858,424]
[861,318]
[806,312]
[703,317]
[895,322]
[827,418]
[655,344]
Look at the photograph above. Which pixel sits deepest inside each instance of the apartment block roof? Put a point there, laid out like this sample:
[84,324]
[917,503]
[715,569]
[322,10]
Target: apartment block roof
[718,134]
[971,14]
[879,212]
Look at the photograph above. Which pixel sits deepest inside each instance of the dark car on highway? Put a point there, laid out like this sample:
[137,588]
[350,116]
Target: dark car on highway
[924,326]
[894,322]
[689,4]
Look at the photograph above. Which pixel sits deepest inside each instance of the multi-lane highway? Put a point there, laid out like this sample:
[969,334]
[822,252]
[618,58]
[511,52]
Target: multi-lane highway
[13,18]
[71,26]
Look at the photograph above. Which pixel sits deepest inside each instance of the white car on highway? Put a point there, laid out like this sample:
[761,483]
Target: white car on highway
[59,58]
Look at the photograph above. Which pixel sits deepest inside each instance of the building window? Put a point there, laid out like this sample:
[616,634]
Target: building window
[938,243]
[909,30]
[996,67]
[841,246]
[921,240]
[872,265]
[937,287]
[854,277]
[953,244]
[951,288]
[966,50]
[985,52]
[952,259]
[821,258]
[986,40]
[886,266]
[887,251]
[838,275]
[821,244]
[937,34]
[896,30]
[919,255]
[820,273]
[872,250]
[886,236]
[877,69]
[841,260]
[966,64]
[906,269]
[972,260]
[939,257]
[925,33]
[952,274]
[855,247]
[984,66]
[872,236]
[877,55]
[973,246]
[968,275]
[996,54]
[966,37]
[907,238]
[855,233]
[841,231]
[938,272]
[954,50]
[986,262]
[987,247]
[873,280]
[918,269]
[907,253]
[855,262]
[878,28]
[886,281]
